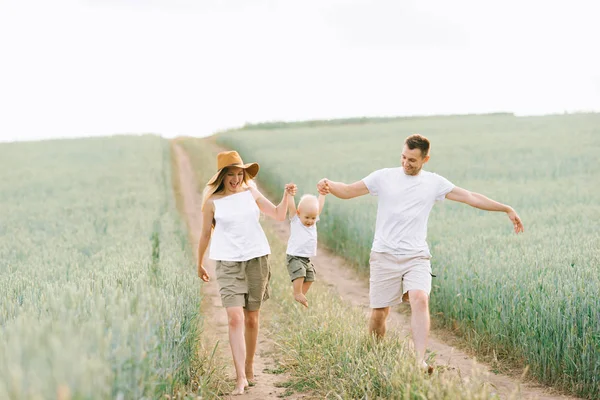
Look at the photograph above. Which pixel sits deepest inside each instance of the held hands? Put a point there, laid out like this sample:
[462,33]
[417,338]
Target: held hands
[290,189]
[323,186]
[516,220]
[202,274]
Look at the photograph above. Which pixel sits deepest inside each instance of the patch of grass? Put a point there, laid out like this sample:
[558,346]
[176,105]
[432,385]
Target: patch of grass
[175,183]
[209,379]
[274,371]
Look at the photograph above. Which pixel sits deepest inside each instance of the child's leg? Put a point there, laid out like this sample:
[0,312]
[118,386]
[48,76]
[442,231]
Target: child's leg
[298,285]
[310,277]
[306,286]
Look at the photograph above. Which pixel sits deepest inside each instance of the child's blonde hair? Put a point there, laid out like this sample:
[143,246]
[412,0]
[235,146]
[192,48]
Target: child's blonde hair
[306,198]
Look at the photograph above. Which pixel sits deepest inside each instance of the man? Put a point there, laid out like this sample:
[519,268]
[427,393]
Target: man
[400,266]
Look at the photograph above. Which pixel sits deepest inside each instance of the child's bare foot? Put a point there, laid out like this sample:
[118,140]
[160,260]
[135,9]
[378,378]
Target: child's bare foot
[300,298]
[239,387]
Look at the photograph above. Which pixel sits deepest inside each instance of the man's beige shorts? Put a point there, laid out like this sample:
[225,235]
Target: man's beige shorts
[244,283]
[393,275]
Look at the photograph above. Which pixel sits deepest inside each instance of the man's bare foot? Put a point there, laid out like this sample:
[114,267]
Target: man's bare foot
[239,387]
[427,368]
[300,298]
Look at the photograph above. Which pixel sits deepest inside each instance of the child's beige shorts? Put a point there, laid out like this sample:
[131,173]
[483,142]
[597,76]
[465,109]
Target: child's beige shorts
[300,267]
[244,283]
[392,276]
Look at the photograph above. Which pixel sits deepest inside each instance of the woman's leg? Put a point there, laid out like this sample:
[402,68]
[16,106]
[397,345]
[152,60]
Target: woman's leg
[235,316]
[251,334]
[257,274]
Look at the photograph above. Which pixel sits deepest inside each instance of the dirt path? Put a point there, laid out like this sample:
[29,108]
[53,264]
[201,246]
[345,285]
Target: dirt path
[216,317]
[343,280]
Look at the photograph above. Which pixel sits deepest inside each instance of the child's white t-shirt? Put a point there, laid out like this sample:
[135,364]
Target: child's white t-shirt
[303,239]
[404,204]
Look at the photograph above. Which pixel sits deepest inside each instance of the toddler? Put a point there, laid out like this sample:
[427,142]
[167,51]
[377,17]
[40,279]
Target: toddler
[302,243]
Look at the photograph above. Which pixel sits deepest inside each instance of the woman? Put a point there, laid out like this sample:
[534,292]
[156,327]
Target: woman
[231,207]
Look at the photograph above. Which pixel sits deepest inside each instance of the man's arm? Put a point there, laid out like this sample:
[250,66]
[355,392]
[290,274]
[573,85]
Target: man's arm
[484,203]
[342,190]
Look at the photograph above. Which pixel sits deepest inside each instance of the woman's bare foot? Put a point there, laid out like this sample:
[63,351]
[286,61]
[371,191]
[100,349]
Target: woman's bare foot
[239,387]
[249,373]
[300,298]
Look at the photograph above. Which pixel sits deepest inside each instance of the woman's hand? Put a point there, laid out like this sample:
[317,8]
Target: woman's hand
[291,189]
[202,274]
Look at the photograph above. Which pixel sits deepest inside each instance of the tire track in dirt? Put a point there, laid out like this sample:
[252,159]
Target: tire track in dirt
[215,324]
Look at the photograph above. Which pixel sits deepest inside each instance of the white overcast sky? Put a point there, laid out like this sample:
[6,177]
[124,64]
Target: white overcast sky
[183,67]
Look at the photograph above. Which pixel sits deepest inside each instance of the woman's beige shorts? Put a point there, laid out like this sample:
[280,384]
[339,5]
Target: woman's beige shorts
[244,283]
[392,276]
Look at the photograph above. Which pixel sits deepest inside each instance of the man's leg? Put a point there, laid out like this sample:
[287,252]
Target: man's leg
[377,321]
[238,346]
[419,321]
[251,335]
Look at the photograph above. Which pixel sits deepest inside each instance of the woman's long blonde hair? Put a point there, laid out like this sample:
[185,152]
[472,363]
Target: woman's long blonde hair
[218,187]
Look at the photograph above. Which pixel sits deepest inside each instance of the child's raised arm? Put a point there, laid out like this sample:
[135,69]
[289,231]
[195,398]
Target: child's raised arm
[321,202]
[291,205]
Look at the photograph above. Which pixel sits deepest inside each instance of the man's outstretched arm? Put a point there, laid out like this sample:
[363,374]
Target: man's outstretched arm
[342,190]
[484,203]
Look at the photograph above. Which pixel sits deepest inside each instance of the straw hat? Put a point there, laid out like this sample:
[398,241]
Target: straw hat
[233,159]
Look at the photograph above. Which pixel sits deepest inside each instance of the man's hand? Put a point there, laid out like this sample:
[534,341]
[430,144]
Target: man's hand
[291,189]
[323,186]
[202,274]
[516,220]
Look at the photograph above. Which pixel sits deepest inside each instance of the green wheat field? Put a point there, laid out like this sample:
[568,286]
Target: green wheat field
[534,297]
[99,297]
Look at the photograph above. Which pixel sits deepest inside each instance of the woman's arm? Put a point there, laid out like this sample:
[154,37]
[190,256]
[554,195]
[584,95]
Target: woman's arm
[266,207]
[208,213]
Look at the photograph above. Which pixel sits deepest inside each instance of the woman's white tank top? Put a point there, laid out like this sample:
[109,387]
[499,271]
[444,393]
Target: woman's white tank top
[238,235]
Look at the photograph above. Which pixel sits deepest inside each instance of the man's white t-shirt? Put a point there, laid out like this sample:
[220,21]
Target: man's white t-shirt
[404,204]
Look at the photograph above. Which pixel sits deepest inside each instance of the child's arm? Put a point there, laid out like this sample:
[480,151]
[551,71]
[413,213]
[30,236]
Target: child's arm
[321,202]
[291,205]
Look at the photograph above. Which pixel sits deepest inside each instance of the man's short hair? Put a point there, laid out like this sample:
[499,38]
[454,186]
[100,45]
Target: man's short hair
[418,142]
